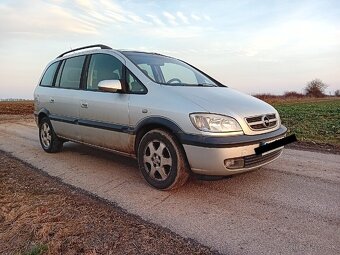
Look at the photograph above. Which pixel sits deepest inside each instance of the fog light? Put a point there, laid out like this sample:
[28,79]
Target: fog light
[234,163]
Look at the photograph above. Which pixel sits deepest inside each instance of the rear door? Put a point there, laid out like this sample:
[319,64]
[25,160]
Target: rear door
[104,116]
[65,99]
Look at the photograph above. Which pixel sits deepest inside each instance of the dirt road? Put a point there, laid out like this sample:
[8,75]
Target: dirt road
[40,213]
[291,206]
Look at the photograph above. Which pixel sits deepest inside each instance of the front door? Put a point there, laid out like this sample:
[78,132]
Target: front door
[104,116]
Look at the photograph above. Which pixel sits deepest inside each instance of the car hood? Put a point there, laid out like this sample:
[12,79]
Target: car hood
[224,100]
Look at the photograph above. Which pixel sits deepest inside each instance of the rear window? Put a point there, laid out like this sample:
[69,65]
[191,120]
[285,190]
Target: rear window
[71,74]
[48,77]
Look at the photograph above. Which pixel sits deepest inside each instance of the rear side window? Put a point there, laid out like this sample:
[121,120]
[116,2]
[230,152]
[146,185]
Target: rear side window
[103,67]
[71,73]
[48,77]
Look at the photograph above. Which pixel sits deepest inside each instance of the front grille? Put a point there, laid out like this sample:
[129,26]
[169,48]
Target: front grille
[256,160]
[262,122]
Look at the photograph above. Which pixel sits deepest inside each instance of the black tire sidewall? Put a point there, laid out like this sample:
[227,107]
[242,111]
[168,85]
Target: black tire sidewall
[156,135]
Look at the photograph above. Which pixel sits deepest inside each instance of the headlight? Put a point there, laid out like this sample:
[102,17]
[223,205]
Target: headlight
[214,123]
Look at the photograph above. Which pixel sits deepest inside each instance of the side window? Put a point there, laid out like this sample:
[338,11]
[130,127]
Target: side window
[71,73]
[57,81]
[146,69]
[103,67]
[48,77]
[173,71]
[135,86]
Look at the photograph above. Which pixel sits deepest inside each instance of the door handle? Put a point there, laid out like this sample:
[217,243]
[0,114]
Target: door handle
[84,105]
[51,100]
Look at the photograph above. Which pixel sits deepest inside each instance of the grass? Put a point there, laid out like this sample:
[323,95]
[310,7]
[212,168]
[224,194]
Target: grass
[37,249]
[312,120]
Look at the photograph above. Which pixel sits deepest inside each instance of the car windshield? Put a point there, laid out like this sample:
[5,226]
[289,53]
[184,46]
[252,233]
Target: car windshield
[169,71]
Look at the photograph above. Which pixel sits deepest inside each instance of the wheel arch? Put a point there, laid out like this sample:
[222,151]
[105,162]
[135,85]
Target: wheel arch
[174,133]
[156,123]
[41,114]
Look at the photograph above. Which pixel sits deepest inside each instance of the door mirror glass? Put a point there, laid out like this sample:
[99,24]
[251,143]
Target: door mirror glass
[110,85]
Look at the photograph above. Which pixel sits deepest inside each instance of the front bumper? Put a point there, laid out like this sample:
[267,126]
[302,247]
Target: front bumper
[209,159]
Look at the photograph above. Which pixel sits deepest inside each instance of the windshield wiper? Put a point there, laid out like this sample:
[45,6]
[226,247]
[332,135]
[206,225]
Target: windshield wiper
[191,84]
[206,85]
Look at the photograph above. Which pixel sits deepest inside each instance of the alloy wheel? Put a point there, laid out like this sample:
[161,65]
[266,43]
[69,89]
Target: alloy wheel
[157,160]
[45,135]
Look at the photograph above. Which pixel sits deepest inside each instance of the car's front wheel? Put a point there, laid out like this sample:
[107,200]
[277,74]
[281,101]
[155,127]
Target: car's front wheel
[49,141]
[162,160]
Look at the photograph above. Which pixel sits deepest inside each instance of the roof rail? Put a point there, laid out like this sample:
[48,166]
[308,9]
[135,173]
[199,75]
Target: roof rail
[86,47]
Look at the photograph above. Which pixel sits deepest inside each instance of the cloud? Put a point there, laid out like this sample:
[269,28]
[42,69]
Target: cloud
[198,18]
[156,20]
[42,20]
[206,17]
[182,17]
[110,6]
[195,17]
[137,19]
[60,18]
[118,17]
[108,13]
[85,4]
[171,18]
[174,32]
[97,17]
[57,18]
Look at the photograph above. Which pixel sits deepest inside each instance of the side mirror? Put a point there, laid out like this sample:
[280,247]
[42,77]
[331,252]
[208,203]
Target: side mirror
[110,85]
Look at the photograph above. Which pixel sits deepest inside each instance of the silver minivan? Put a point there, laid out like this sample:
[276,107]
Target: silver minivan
[170,116]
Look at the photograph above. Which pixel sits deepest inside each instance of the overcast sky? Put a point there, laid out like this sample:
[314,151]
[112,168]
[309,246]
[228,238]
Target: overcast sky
[253,46]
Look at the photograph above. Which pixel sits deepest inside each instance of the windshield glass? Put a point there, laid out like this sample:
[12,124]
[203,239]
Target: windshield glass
[169,71]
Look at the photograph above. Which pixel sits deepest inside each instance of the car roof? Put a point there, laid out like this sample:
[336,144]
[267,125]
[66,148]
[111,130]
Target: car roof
[103,48]
[131,52]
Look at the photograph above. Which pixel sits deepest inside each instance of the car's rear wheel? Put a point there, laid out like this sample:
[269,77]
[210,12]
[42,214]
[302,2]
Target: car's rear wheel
[162,160]
[49,141]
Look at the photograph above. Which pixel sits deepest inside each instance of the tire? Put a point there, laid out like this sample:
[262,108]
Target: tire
[162,160]
[49,141]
